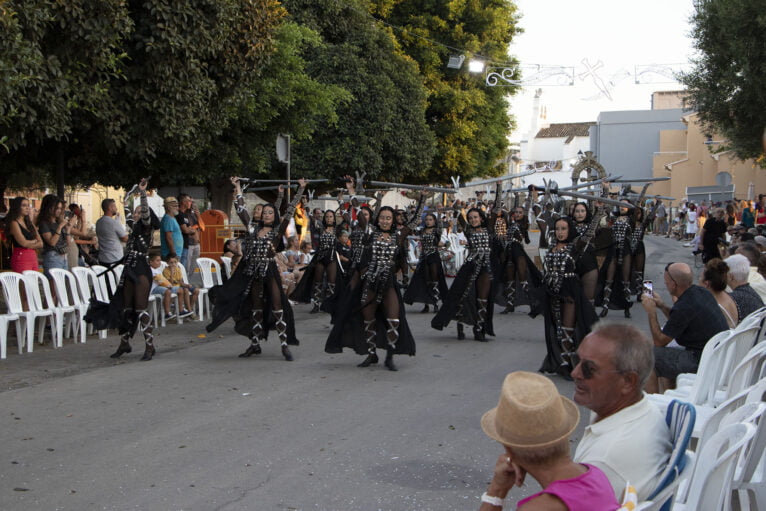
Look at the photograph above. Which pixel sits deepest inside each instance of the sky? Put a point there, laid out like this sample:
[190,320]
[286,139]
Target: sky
[615,33]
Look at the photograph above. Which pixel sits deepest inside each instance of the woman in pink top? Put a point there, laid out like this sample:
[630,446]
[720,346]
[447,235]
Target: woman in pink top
[533,423]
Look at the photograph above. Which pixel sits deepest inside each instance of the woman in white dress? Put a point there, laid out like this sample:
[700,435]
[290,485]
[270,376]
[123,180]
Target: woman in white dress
[691,221]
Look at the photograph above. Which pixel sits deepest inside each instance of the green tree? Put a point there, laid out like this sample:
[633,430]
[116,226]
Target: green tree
[382,130]
[726,84]
[470,120]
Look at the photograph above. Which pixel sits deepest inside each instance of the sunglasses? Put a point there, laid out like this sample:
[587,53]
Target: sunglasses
[667,270]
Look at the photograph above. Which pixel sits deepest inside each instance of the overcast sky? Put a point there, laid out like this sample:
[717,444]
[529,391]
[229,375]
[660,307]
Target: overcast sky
[621,35]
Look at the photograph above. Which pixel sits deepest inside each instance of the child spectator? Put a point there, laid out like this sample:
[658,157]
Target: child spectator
[160,285]
[186,292]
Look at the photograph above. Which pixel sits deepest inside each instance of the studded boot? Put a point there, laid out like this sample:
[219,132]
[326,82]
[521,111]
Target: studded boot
[436,294]
[281,325]
[607,295]
[510,297]
[256,334]
[145,323]
[370,333]
[316,299]
[128,327]
[478,329]
[392,335]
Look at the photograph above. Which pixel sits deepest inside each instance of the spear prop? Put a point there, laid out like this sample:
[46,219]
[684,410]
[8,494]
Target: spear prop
[501,178]
[642,180]
[593,197]
[412,187]
[254,180]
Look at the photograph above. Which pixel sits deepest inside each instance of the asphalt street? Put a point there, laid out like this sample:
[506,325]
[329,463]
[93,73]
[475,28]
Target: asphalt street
[199,429]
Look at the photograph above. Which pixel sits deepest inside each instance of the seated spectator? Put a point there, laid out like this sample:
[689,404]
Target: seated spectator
[286,272]
[692,321]
[160,285]
[232,248]
[627,437]
[293,251]
[186,292]
[715,278]
[750,250]
[533,423]
[744,296]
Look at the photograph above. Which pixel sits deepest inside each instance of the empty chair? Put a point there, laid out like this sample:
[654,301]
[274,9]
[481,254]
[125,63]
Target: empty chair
[711,482]
[226,261]
[5,321]
[64,317]
[749,484]
[68,293]
[202,297]
[91,287]
[12,285]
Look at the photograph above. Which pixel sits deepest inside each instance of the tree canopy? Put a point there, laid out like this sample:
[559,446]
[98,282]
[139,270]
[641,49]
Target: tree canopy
[726,85]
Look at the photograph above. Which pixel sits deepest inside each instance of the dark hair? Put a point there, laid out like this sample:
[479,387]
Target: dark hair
[324,216]
[105,204]
[572,234]
[14,211]
[376,223]
[226,245]
[482,216]
[368,210]
[276,215]
[48,209]
[171,255]
[183,196]
[584,204]
[716,274]
[750,250]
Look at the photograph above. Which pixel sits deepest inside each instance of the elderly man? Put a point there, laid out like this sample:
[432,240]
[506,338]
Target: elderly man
[744,296]
[110,234]
[692,321]
[753,253]
[171,238]
[627,438]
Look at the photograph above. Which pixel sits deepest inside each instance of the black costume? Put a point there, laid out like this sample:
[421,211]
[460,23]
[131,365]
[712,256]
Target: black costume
[568,313]
[320,278]
[128,308]
[254,295]
[615,293]
[470,299]
[371,313]
[428,284]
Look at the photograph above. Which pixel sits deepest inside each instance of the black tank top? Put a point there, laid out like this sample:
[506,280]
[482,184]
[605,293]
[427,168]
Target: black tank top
[28,235]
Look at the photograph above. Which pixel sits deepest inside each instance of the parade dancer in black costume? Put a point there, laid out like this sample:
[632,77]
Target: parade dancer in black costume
[428,284]
[130,302]
[518,264]
[587,265]
[568,313]
[254,293]
[378,319]
[323,264]
[470,299]
[618,263]
[641,220]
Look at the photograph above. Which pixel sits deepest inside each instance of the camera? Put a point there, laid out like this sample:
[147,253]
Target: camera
[68,214]
[648,287]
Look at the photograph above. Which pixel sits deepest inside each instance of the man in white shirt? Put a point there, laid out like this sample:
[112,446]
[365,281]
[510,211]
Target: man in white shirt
[627,438]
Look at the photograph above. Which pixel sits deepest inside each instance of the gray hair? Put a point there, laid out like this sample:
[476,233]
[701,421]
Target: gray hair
[739,267]
[750,250]
[634,351]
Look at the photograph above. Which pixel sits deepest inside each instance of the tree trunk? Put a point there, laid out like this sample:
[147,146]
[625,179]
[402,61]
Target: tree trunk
[60,168]
[221,194]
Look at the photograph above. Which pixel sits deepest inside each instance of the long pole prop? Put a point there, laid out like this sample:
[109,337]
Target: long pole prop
[605,200]
[501,178]
[412,187]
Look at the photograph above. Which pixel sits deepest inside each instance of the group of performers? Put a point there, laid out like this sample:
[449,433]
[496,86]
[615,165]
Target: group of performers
[360,283]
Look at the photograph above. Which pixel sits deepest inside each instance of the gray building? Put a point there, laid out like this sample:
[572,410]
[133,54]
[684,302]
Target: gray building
[625,142]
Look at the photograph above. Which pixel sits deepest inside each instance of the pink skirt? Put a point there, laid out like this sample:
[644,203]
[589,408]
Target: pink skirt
[23,259]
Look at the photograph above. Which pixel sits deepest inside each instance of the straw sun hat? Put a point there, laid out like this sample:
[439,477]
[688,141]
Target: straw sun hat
[530,413]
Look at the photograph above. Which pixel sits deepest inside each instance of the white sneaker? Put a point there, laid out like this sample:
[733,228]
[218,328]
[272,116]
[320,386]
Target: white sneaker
[687,244]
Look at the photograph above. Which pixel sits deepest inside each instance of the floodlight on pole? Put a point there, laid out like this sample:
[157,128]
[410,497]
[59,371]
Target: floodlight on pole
[456,61]
[476,66]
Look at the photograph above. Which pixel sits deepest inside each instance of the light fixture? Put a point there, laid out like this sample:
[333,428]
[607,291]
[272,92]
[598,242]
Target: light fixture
[476,66]
[579,153]
[456,61]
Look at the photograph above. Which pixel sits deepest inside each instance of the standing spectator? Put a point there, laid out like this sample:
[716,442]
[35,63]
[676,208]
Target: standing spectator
[694,318]
[83,238]
[760,210]
[315,227]
[110,233]
[188,221]
[713,233]
[533,423]
[171,238]
[742,293]
[627,437]
[755,279]
[691,222]
[23,235]
[54,230]
[748,214]
[660,218]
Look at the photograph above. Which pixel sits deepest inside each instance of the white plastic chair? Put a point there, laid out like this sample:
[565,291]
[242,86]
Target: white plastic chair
[68,293]
[210,271]
[106,278]
[91,286]
[12,283]
[711,482]
[663,500]
[226,261]
[749,482]
[63,316]
[5,320]
[202,298]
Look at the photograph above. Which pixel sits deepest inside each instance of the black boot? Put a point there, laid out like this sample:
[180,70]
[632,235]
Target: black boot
[124,347]
[510,298]
[372,358]
[148,352]
[607,295]
[460,333]
[286,353]
[253,349]
[478,333]
[425,309]
[627,313]
[389,363]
